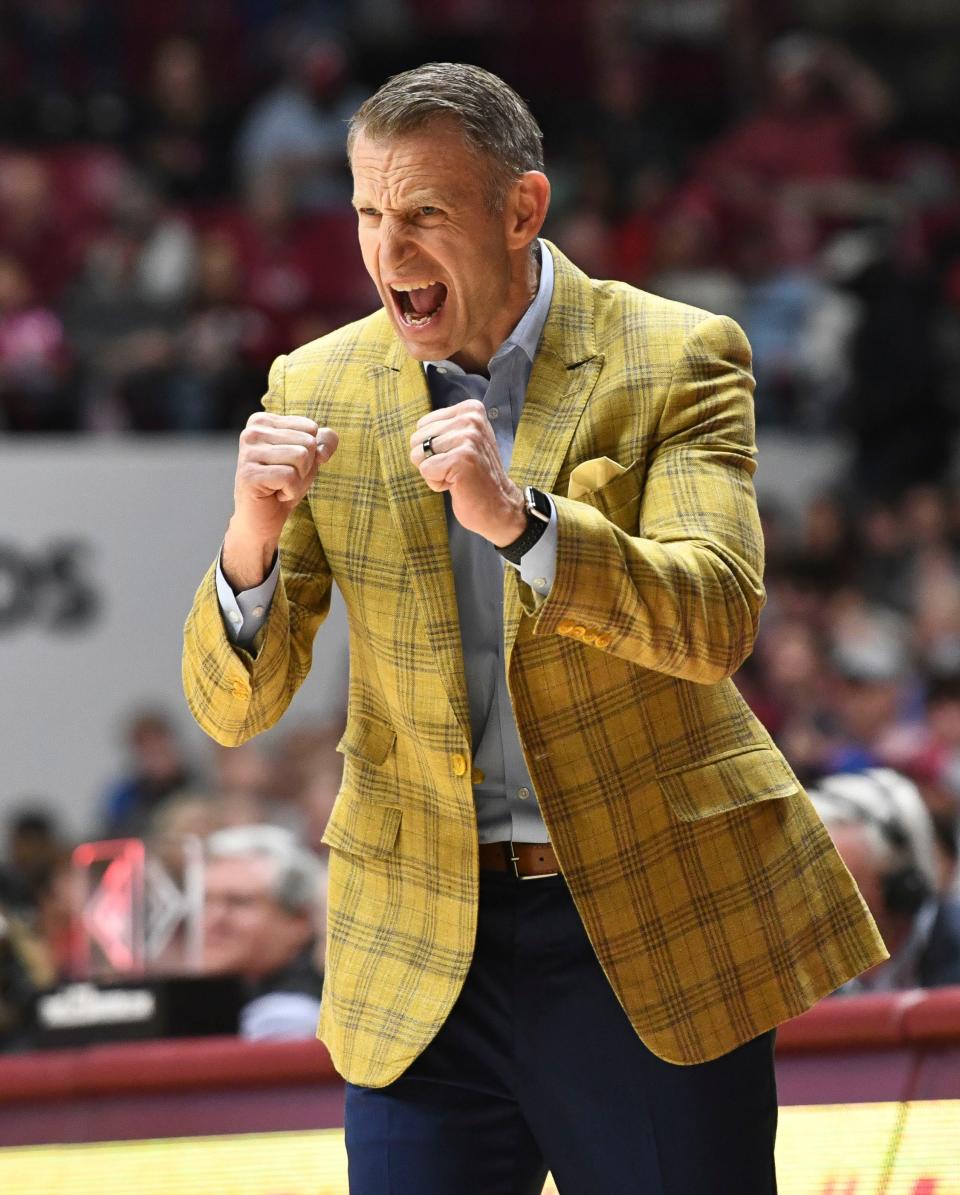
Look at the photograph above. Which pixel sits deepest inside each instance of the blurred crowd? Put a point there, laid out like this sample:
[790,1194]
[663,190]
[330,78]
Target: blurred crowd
[256,815]
[174,213]
[174,197]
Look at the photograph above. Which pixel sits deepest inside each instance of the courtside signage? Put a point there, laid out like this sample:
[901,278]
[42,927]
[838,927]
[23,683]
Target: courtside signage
[844,1149]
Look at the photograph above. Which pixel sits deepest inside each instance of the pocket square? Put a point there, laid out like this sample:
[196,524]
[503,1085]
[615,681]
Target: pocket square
[591,475]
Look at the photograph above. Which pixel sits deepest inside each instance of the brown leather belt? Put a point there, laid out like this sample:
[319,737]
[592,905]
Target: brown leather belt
[526,860]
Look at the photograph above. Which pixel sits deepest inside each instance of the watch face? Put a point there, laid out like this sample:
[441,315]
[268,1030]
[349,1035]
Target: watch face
[536,501]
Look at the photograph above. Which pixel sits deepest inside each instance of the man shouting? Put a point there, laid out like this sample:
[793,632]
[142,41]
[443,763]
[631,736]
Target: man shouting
[573,884]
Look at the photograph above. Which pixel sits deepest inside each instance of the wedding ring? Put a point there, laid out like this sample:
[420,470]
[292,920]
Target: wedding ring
[428,449]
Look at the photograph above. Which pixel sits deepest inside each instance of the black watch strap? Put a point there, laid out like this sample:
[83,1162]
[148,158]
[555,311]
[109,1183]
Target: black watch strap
[537,523]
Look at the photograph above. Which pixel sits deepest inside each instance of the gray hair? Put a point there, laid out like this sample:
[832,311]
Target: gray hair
[494,121]
[296,880]
[891,811]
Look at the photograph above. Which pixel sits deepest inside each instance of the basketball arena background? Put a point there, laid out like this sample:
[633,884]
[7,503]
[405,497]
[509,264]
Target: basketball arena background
[174,213]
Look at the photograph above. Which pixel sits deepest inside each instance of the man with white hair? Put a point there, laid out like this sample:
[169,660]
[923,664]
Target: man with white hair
[262,896]
[884,833]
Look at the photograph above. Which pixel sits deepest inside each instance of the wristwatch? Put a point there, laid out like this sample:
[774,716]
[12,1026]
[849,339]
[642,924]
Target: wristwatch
[538,510]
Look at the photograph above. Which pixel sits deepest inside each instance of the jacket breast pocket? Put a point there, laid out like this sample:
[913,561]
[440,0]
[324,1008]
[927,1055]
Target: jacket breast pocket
[727,783]
[619,498]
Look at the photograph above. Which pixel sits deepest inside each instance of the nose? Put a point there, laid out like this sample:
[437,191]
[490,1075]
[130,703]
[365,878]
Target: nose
[396,245]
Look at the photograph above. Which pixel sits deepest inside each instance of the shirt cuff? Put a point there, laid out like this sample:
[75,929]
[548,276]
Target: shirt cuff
[538,566]
[245,613]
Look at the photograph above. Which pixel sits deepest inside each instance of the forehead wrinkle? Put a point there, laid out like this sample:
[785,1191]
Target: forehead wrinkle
[403,193]
[402,176]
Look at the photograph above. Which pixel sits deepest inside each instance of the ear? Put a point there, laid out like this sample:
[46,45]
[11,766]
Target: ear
[526,208]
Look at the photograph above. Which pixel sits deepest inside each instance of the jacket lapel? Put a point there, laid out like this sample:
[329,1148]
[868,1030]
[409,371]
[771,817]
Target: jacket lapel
[565,373]
[420,518]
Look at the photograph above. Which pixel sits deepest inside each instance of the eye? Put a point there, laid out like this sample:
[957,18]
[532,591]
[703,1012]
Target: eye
[367,211]
[429,211]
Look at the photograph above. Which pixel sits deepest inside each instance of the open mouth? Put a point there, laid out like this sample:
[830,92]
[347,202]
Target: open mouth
[419,303]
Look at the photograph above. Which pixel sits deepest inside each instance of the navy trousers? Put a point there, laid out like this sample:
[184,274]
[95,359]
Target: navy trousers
[537,1068]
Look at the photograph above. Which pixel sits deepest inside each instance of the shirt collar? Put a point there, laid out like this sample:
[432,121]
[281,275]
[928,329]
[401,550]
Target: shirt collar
[526,335]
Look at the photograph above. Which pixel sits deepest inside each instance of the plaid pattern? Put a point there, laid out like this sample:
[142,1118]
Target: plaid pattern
[707,884]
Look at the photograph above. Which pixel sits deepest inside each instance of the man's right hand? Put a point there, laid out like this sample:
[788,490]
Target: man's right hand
[278,460]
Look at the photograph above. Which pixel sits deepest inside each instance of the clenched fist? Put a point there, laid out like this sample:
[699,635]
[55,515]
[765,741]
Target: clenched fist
[464,460]
[277,462]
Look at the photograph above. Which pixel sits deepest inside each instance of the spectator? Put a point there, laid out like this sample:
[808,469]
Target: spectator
[34,850]
[38,226]
[298,127]
[217,378]
[25,967]
[181,137]
[884,834]
[896,409]
[124,308]
[34,395]
[157,768]
[262,911]
[797,159]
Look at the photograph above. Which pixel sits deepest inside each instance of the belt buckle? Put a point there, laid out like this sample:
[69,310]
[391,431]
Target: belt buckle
[513,860]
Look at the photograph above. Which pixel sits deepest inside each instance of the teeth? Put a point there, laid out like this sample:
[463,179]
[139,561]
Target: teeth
[409,286]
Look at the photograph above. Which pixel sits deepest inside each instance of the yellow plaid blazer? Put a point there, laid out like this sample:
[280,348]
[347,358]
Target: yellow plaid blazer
[710,891]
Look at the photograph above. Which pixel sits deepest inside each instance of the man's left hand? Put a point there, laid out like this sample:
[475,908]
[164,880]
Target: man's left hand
[466,462]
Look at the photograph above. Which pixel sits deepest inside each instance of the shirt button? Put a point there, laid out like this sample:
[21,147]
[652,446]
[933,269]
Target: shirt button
[540,582]
[441,369]
[523,793]
[258,611]
[459,764]
[494,413]
[235,617]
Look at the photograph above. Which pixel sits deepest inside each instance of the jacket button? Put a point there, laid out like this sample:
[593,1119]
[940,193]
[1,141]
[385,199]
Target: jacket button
[579,631]
[589,637]
[238,688]
[602,641]
[476,775]
[459,764]
[564,626]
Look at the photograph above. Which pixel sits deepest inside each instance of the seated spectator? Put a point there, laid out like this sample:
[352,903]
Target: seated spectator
[181,136]
[25,967]
[221,362]
[298,127]
[884,834]
[38,227]
[798,154]
[124,310]
[262,901]
[33,852]
[34,395]
[157,769]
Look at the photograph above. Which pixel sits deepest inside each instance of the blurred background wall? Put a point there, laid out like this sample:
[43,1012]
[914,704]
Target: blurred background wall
[102,547]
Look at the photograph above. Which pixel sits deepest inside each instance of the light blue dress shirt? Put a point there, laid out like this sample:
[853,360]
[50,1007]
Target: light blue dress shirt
[505,800]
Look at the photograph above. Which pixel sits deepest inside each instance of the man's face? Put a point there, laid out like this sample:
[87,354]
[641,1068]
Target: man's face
[245,931]
[423,219]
